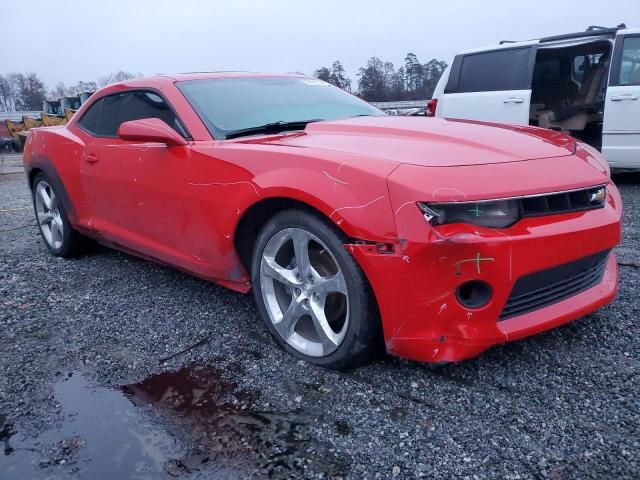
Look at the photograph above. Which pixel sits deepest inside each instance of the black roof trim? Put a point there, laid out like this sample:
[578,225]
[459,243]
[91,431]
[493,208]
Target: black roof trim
[592,31]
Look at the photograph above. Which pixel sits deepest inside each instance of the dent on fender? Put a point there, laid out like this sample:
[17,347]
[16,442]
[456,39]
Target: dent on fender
[357,202]
[449,256]
[339,191]
[420,321]
[424,320]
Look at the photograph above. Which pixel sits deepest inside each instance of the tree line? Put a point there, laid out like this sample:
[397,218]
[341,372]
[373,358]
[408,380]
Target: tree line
[26,91]
[378,81]
[21,91]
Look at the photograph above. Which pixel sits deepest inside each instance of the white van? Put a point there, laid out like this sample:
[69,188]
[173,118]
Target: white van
[586,83]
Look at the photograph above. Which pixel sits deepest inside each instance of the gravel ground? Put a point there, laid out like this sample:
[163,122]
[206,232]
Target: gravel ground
[561,405]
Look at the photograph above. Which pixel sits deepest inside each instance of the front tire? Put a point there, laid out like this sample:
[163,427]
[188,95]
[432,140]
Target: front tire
[58,235]
[312,295]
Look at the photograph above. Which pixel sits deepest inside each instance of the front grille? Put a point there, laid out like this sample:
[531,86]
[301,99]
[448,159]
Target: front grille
[577,200]
[544,288]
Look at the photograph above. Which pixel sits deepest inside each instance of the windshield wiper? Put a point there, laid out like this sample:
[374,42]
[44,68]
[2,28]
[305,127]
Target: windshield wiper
[273,127]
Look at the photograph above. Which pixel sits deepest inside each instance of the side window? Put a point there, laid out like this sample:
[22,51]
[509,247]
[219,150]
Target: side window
[508,69]
[89,121]
[135,105]
[547,72]
[580,66]
[630,62]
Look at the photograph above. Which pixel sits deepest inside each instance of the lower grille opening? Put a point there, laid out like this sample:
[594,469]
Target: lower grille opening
[547,287]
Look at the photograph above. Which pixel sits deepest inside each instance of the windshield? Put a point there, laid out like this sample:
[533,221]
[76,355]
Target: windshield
[227,105]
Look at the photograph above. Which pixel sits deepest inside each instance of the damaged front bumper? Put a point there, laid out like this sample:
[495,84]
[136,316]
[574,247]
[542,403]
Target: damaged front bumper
[415,284]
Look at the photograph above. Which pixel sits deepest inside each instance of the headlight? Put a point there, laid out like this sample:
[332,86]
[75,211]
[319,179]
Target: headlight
[597,196]
[493,214]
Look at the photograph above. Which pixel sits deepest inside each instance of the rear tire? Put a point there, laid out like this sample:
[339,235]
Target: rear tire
[312,295]
[56,231]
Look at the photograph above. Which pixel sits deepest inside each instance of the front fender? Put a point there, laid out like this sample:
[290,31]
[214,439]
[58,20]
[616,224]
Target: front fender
[349,190]
[362,211]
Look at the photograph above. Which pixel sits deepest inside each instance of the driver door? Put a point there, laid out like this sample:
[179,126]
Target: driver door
[136,189]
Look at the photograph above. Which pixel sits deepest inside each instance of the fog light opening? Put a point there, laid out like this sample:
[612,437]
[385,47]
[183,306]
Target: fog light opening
[474,294]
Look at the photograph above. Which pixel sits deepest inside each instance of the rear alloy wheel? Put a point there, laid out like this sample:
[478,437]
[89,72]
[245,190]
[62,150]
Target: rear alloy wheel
[57,233]
[48,214]
[312,295]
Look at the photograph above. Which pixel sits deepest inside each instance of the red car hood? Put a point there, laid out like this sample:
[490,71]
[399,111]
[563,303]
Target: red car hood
[431,142]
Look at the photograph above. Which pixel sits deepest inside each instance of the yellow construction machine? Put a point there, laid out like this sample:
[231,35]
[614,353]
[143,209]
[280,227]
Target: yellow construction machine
[54,113]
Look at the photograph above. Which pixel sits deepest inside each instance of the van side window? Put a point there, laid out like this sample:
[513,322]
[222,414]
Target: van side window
[547,72]
[580,66]
[630,62]
[135,105]
[508,69]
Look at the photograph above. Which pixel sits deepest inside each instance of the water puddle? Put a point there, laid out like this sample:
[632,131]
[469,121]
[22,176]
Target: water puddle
[180,424]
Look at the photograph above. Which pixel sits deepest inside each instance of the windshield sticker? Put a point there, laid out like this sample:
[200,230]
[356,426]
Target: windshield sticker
[314,81]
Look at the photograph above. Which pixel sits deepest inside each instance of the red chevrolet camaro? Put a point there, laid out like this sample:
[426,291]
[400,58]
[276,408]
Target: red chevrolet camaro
[358,231]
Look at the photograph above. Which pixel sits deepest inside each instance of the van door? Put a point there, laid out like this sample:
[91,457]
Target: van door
[621,129]
[491,85]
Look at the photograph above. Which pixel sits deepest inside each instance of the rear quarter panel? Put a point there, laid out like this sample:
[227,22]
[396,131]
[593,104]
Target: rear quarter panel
[57,152]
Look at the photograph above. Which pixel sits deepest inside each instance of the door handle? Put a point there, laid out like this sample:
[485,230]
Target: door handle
[626,96]
[91,158]
[513,100]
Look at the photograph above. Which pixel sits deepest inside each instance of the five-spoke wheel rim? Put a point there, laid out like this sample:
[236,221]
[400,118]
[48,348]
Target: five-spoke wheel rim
[48,215]
[304,292]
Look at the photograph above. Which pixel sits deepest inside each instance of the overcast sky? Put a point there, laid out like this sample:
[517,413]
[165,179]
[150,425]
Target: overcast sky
[76,40]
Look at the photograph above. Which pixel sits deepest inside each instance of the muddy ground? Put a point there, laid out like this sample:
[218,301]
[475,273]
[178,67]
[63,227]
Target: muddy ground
[95,383]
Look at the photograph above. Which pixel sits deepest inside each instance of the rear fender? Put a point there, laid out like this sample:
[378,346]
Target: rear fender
[41,163]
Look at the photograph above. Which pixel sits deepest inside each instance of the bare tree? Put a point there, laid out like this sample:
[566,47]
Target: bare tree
[81,87]
[7,103]
[117,77]
[58,91]
[16,80]
[32,91]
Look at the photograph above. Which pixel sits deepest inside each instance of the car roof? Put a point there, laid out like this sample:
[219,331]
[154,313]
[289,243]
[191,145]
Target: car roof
[182,77]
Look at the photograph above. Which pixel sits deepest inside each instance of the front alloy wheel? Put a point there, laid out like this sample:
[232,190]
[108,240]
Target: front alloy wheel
[312,295]
[305,292]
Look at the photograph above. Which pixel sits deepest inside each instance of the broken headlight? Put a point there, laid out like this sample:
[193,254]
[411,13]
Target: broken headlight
[493,214]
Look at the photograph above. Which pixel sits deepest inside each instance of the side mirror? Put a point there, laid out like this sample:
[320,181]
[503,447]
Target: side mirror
[150,130]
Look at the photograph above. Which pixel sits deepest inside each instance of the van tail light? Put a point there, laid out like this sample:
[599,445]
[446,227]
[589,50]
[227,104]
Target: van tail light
[431,107]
